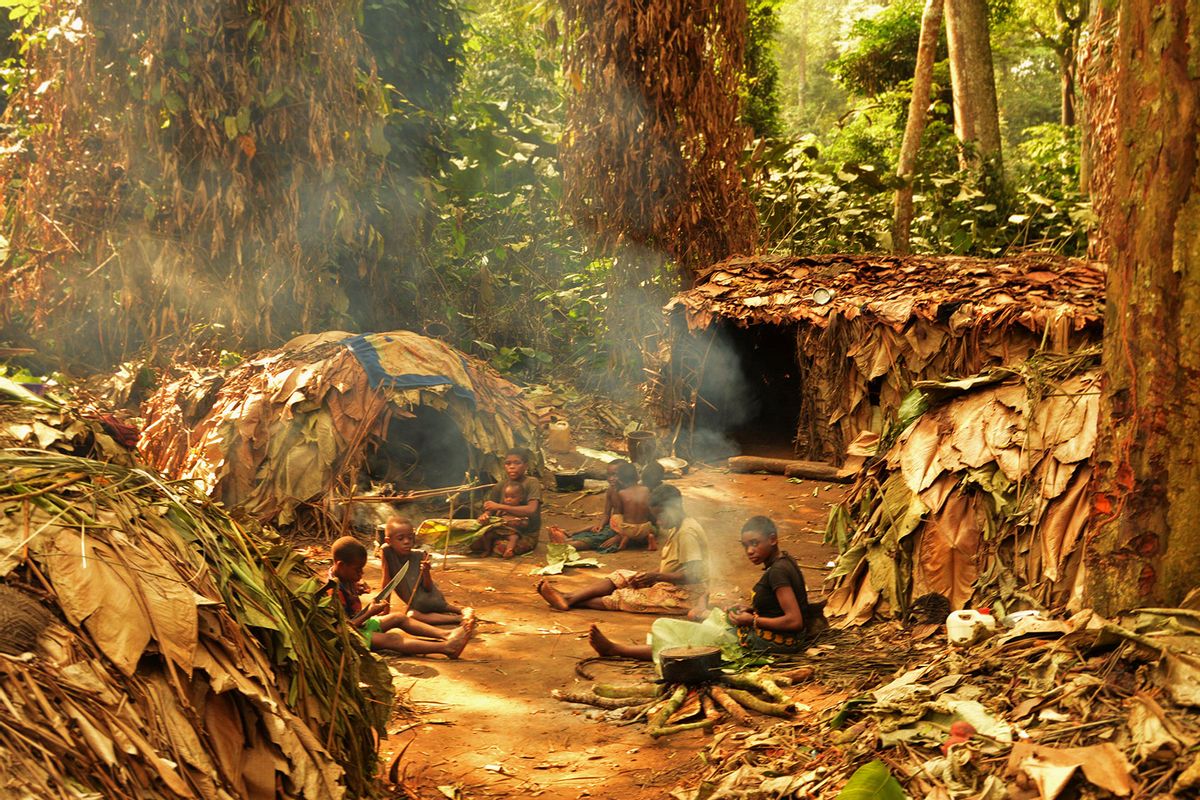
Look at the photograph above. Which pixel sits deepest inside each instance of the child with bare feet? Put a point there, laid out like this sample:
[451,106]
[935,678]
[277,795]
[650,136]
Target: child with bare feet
[516,466]
[679,585]
[600,536]
[424,600]
[630,517]
[505,539]
[384,632]
[776,620]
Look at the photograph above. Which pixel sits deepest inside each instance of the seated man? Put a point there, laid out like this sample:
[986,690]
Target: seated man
[679,585]
[380,633]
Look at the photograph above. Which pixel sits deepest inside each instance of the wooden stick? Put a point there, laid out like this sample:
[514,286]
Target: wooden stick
[761,706]
[367,498]
[722,698]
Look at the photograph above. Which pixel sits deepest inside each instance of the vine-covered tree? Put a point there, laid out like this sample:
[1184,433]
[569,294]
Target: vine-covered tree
[188,163]
[1144,105]
[652,153]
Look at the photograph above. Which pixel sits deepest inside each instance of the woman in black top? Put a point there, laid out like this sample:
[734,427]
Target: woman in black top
[775,620]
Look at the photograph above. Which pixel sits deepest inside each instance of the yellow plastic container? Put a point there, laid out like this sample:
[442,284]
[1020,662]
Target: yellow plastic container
[559,440]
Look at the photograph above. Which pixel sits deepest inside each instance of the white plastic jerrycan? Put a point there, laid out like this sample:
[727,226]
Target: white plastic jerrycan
[969,626]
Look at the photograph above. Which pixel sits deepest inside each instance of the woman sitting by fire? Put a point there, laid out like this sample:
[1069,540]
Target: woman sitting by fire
[776,621]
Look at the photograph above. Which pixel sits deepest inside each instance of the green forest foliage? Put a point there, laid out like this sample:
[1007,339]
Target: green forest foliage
[450,220]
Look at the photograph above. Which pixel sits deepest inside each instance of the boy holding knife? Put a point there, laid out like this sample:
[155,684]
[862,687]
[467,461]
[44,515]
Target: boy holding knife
[384,632]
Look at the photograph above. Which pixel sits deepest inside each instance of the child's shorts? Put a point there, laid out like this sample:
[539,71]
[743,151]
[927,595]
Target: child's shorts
[369,628]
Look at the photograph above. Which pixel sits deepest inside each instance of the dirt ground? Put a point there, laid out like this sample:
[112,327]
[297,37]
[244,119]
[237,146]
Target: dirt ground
[487,725]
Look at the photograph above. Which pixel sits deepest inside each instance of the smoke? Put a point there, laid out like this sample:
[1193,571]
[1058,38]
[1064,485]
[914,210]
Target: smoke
[710,365]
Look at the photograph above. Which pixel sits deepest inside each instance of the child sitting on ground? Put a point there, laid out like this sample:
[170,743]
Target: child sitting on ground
[510,537]
[384,632]
[425,601]
[630,518]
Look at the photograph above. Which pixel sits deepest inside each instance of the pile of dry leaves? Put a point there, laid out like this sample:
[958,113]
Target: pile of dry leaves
[150,646]
[1081,707]
[981,495]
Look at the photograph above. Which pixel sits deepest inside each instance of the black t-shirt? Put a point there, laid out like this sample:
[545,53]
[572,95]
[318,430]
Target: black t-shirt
[784,572]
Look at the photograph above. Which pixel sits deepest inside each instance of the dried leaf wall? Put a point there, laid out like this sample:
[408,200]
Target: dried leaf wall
[867,328]
[982,498]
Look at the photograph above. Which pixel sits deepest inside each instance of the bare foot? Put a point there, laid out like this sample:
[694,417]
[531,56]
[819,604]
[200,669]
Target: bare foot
[456,641]
[467,613]
[556,534]
[552,596]
[469,624]
[651,543]
[507,552]
[599,642]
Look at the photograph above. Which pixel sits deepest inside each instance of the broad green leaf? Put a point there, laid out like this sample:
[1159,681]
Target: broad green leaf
[872,782]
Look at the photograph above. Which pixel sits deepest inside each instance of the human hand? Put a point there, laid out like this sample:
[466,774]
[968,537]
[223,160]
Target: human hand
[377,607]
[643,579]
[742,618]
[612,541]
[490,505]
[483,518]
[596,528]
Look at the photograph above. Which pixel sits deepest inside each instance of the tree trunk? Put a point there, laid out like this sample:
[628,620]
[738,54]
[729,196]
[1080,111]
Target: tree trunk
[918,113]
[973,81]
[1145,532]
[1066,76]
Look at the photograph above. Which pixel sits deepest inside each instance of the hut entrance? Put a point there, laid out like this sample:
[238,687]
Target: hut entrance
[426,449]
[749,393]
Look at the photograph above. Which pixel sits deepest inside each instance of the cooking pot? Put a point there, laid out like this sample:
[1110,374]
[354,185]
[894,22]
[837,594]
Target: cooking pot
[568,481]
[690,664]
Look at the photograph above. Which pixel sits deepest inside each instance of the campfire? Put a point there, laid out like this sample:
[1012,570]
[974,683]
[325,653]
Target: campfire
[694,693]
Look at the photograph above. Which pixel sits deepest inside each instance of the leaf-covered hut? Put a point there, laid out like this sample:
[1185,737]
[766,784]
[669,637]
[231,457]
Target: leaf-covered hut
[816,349]
[978,492]
[286,431]
[152,647]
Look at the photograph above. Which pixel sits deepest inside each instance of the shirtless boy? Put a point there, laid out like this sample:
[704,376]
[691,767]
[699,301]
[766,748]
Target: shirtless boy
[630,517]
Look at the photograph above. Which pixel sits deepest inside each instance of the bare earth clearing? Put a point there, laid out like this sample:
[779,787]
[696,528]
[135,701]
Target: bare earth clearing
[491,728]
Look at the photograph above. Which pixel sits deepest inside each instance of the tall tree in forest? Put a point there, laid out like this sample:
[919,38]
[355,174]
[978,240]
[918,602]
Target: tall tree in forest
[1144,104]
[188,163]
[653,148]
[1059,28]
[973,81]
[918,113]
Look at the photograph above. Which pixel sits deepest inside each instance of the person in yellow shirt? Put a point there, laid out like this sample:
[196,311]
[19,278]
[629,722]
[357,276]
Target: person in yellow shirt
[678,586]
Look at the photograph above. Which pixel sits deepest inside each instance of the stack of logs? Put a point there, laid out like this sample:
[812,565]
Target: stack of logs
[671,708]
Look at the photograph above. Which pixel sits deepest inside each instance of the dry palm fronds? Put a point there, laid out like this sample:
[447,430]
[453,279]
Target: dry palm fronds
[190,661]
[981,498]
[289,428]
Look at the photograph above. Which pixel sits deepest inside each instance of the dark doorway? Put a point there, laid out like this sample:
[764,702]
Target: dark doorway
[426,449]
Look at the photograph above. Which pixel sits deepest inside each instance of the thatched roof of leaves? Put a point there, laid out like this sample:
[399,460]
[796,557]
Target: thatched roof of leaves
[180,654]
[1036,290]
[979,493]
[288,427]
[867,328]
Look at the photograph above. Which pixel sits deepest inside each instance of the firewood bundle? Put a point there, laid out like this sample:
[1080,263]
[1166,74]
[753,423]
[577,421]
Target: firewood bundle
[672,708]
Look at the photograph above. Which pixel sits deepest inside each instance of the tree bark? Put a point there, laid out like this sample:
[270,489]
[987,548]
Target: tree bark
[1066,66]
[918,114]
[973,81]
[1144,540]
